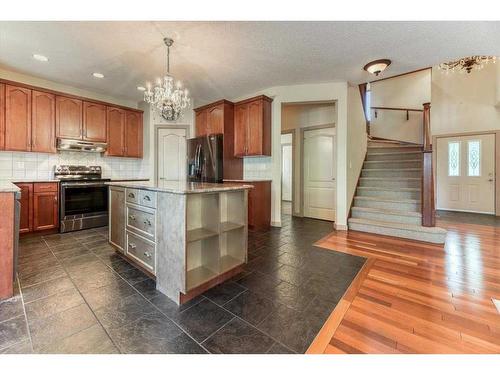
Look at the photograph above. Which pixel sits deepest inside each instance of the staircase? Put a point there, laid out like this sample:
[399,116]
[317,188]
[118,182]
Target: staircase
[387,199]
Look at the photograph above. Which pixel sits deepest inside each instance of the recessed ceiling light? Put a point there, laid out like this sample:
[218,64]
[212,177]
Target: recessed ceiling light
[40,57]
[141,88]
[98,75]
[378,66]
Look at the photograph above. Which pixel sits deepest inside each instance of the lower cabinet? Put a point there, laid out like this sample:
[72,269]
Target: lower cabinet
[39,206]
[259,203]
[117,217]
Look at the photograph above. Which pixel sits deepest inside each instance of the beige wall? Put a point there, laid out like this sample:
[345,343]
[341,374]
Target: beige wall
[407,91]
[357,140]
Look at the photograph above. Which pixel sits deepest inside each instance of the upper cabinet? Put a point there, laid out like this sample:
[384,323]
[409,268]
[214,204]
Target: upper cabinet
[17,118]
[133,134]
[94,122]
[201,122]
[252,127]
[2,116]
[116,131]
[69,117]
[43,127]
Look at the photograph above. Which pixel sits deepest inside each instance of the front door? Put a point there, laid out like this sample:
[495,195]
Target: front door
[466,173]
[319,174]
[171,155]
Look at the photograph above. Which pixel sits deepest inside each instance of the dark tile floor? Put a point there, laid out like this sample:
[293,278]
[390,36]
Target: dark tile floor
[75,295]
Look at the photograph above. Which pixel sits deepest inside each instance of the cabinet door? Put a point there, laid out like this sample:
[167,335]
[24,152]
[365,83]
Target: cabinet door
[69,117]
[133,134]
[117,217]
[116,131]
[215,120]
[45,210]
[43,127]
[254,129]
[17,118]
[240,129]
[26,214]
[94,122]
[201,123]
[2,116]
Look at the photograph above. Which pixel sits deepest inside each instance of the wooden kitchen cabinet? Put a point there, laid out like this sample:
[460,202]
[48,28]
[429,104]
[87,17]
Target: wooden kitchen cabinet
[17,118]
[69,117]
[201,122]
[252,127]
[115,123]
[133,134]
[94,122]
[2,116]
[26,214]
[259,202]
[215,119]
[43,127]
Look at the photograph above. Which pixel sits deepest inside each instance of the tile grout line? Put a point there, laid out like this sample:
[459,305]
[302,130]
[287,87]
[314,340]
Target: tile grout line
[218,329]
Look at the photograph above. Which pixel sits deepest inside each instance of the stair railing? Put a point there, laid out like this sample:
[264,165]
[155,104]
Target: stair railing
[427,191]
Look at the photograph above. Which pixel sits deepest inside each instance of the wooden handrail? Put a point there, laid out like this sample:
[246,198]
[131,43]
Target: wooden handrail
[427,192]
[399,109]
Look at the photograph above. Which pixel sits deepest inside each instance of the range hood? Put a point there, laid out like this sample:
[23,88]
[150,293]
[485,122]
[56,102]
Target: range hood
[64,144]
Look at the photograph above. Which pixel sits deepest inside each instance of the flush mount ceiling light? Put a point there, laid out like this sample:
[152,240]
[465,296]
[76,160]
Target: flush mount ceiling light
[141,88]
[167,98]
[42,58]
[378,66]
[467,64]
[98,75]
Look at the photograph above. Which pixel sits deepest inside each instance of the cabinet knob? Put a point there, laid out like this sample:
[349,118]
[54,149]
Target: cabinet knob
[147,222]
[131,195]
[131,217]
[147,198]
[132,245]
[147,254]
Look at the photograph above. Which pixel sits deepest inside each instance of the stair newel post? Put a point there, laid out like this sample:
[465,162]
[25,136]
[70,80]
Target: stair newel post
[428,208]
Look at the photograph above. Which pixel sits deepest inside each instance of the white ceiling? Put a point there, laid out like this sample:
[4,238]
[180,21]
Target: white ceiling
[231,59]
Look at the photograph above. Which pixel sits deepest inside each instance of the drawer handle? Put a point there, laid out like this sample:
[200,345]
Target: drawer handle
[131,195]
[147,254]
[147,222]
[132,245]
[132,217]
[147,198]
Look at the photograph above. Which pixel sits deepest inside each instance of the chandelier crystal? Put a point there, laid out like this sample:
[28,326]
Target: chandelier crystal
[467,64]
[167,97]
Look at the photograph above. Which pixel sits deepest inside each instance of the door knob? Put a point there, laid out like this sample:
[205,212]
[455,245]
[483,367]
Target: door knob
[491,180]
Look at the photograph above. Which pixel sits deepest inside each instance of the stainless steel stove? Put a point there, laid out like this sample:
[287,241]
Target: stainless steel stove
[83,197]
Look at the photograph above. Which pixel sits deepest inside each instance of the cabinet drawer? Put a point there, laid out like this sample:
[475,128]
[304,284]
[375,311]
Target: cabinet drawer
[132,196]
[42,187]
[141,250]
[147,198]
[141,220]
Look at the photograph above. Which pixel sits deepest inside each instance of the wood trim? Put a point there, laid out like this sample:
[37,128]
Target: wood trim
[293,132]
[427,192]
[398,109]
[402,74]
[60,93]
[6,245]
[2,116]
[357,183]
[213,104]
[258,97]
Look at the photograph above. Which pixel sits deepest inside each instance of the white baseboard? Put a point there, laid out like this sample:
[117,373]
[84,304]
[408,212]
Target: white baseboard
[276,224]
[340,226]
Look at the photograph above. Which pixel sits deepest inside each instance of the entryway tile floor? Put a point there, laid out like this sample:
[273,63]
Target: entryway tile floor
[74,294]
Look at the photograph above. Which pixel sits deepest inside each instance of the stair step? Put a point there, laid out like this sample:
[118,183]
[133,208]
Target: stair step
[390,182]
[411,205]
[394,172]
[410,231]
[400,149]
[392,164]
[394,155]
[394,216]
[390,192]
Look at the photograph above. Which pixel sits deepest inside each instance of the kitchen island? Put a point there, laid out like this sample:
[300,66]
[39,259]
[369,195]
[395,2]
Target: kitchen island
[189,236]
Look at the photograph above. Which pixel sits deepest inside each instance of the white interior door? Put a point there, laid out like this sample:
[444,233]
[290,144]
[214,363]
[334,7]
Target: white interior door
[466,173]
[171,155]
[286,172]
[319,174]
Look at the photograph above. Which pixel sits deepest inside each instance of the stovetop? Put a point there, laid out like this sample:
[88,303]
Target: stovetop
[82,173]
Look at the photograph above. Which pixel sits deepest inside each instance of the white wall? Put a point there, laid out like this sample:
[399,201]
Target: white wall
[334,92]
[464,102]
[407,91]
[356,138]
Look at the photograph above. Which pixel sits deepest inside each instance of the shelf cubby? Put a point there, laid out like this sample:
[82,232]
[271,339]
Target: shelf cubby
[232,210]
[202,220]
[232,249]
[203,261]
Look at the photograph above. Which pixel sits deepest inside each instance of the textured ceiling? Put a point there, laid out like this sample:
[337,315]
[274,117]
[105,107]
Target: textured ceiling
[231,59]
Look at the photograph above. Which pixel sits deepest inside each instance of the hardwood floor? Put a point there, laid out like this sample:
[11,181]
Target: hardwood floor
[414,297]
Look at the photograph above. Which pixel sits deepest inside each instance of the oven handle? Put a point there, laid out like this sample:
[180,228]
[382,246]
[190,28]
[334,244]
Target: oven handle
[98,184]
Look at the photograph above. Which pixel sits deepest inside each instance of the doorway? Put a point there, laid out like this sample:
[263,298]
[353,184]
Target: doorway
[171,153]
[466,173]
[319,173]
[286,173]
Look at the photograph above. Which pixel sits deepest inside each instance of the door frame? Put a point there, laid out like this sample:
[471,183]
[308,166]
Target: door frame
[293,132]
[157,132]
[302,130]
[496,133]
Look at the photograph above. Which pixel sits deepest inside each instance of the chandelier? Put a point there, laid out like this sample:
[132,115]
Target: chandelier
[467,63]
[167,98]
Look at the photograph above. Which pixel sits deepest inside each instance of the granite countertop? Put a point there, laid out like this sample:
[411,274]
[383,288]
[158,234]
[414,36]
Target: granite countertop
[181,187]
[8,187]
[249,180]
[28,180]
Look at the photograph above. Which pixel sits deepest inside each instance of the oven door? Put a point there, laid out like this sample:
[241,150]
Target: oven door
[79,200]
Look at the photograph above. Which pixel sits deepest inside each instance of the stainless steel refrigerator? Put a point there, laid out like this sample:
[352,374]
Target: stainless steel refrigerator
[205,158]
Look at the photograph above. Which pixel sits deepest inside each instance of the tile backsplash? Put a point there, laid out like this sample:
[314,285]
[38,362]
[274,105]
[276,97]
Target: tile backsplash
[31,165]
[258,167]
